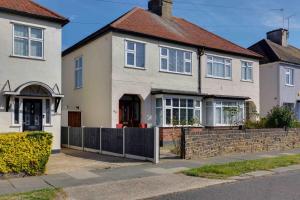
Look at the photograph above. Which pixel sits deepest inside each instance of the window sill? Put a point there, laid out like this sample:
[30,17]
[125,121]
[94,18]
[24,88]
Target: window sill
[15,126]
[132,67]
[248,81]
[48,125]
[225,79]
[27,58]
[289,85]
[167,72]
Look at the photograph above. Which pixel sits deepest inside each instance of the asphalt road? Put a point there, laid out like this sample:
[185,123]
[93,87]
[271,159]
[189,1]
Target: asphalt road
[284,186]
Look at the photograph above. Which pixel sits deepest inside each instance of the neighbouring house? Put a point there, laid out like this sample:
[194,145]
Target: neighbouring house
[30,68]
[151,68]
[279,72]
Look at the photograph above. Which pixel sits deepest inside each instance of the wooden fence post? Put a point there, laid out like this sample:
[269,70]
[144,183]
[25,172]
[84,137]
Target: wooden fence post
[156,145]
[82,138]
[124,142]
[68,136]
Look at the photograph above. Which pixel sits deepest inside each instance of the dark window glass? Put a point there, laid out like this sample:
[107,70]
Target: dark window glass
[48,111]
[16,110]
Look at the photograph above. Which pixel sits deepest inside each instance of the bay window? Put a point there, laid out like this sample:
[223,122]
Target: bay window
[28,41]
[175,61]
[178,111]
[218,67]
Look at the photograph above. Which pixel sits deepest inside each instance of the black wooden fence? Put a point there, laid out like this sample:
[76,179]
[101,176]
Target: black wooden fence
[135,143]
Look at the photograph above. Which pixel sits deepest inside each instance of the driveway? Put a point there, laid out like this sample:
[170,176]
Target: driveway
[73,160]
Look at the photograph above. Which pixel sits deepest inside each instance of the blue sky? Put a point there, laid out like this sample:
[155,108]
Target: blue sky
[241,21]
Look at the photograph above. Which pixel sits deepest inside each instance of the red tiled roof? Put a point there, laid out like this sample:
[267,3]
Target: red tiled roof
[140,21]
[30,8]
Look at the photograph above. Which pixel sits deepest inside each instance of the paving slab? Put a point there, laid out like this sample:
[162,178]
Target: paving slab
[6,187]
[140,188]
[286,169]
[259,173]
[239,178]
[28,184]
[82,174]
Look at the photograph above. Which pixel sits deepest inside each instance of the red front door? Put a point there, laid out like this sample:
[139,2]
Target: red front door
[129,111]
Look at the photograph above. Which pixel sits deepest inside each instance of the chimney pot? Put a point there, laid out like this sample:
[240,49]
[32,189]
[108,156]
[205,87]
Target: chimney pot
[163,8]
[279,36]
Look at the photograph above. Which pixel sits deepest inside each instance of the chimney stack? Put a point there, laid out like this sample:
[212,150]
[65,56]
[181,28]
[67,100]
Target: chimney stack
[163,8]
[279,36]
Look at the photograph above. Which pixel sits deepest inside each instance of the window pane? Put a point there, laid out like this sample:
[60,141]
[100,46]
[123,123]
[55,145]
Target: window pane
[190,116]
[197,116]
[16,111]
[21,31]
[168,102]
[180,61]
[48,111]
[188,67]
[228,71]
[188,55]
[218,118]
[175,102]
[21,47]
[130,59]
[140,55]
[130,45]
[159,116]
[164,64]
[209,68]
[158,103]
[244,73]
[36,33]
[36,49]
[172,60]
[183,116]
[168,116]
[198,103]
[164,51]
[175,116]
[190,103]
[182,102]
[249,73]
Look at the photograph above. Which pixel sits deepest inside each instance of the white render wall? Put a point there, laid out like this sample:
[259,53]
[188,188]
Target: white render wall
[234,87]
[141,81]
[94,98]
[19,71]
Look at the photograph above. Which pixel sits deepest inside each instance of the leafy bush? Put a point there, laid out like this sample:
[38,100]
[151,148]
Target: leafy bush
[249,124]
[25,152]
[280,117]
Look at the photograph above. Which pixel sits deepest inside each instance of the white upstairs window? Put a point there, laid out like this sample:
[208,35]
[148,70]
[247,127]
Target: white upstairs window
[175,61]
[247,71]
[28,41]
[218,67]
[289,76]
[78,72]
[134,54]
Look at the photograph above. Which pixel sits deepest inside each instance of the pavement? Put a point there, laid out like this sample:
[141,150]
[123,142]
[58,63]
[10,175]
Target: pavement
[99,177]
[283,186]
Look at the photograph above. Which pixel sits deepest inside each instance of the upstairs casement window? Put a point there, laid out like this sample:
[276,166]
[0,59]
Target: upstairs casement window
[28,41]
[218,67]
[78,72]
[289,77]
[135,54]
[175,61]
[247,71]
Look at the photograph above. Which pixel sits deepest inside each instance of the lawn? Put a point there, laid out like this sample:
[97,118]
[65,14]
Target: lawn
[45,194]
[223,171]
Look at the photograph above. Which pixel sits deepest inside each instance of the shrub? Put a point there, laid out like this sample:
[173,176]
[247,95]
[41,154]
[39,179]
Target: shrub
[280,117]
[249,124]
[25,152]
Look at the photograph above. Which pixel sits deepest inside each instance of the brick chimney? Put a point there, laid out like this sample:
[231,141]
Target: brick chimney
[279,36]
[163,8]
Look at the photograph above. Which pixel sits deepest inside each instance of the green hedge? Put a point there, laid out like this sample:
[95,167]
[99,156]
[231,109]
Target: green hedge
[25,152]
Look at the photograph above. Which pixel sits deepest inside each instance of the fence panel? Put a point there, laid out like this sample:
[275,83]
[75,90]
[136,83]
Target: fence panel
[92,138]
[140,142]
[64,135]
[112,140]
[75,136]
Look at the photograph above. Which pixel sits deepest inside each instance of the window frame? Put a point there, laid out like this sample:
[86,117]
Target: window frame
[76,69]
[247,67]
[134,66]
[291,72]
[185,60]
[213,70]
[30,39]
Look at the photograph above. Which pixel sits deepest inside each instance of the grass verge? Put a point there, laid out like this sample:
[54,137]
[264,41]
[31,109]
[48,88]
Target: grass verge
[223,171]
[45,194]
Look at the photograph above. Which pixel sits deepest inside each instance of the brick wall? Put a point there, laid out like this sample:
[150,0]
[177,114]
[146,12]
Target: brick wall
[209,143]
